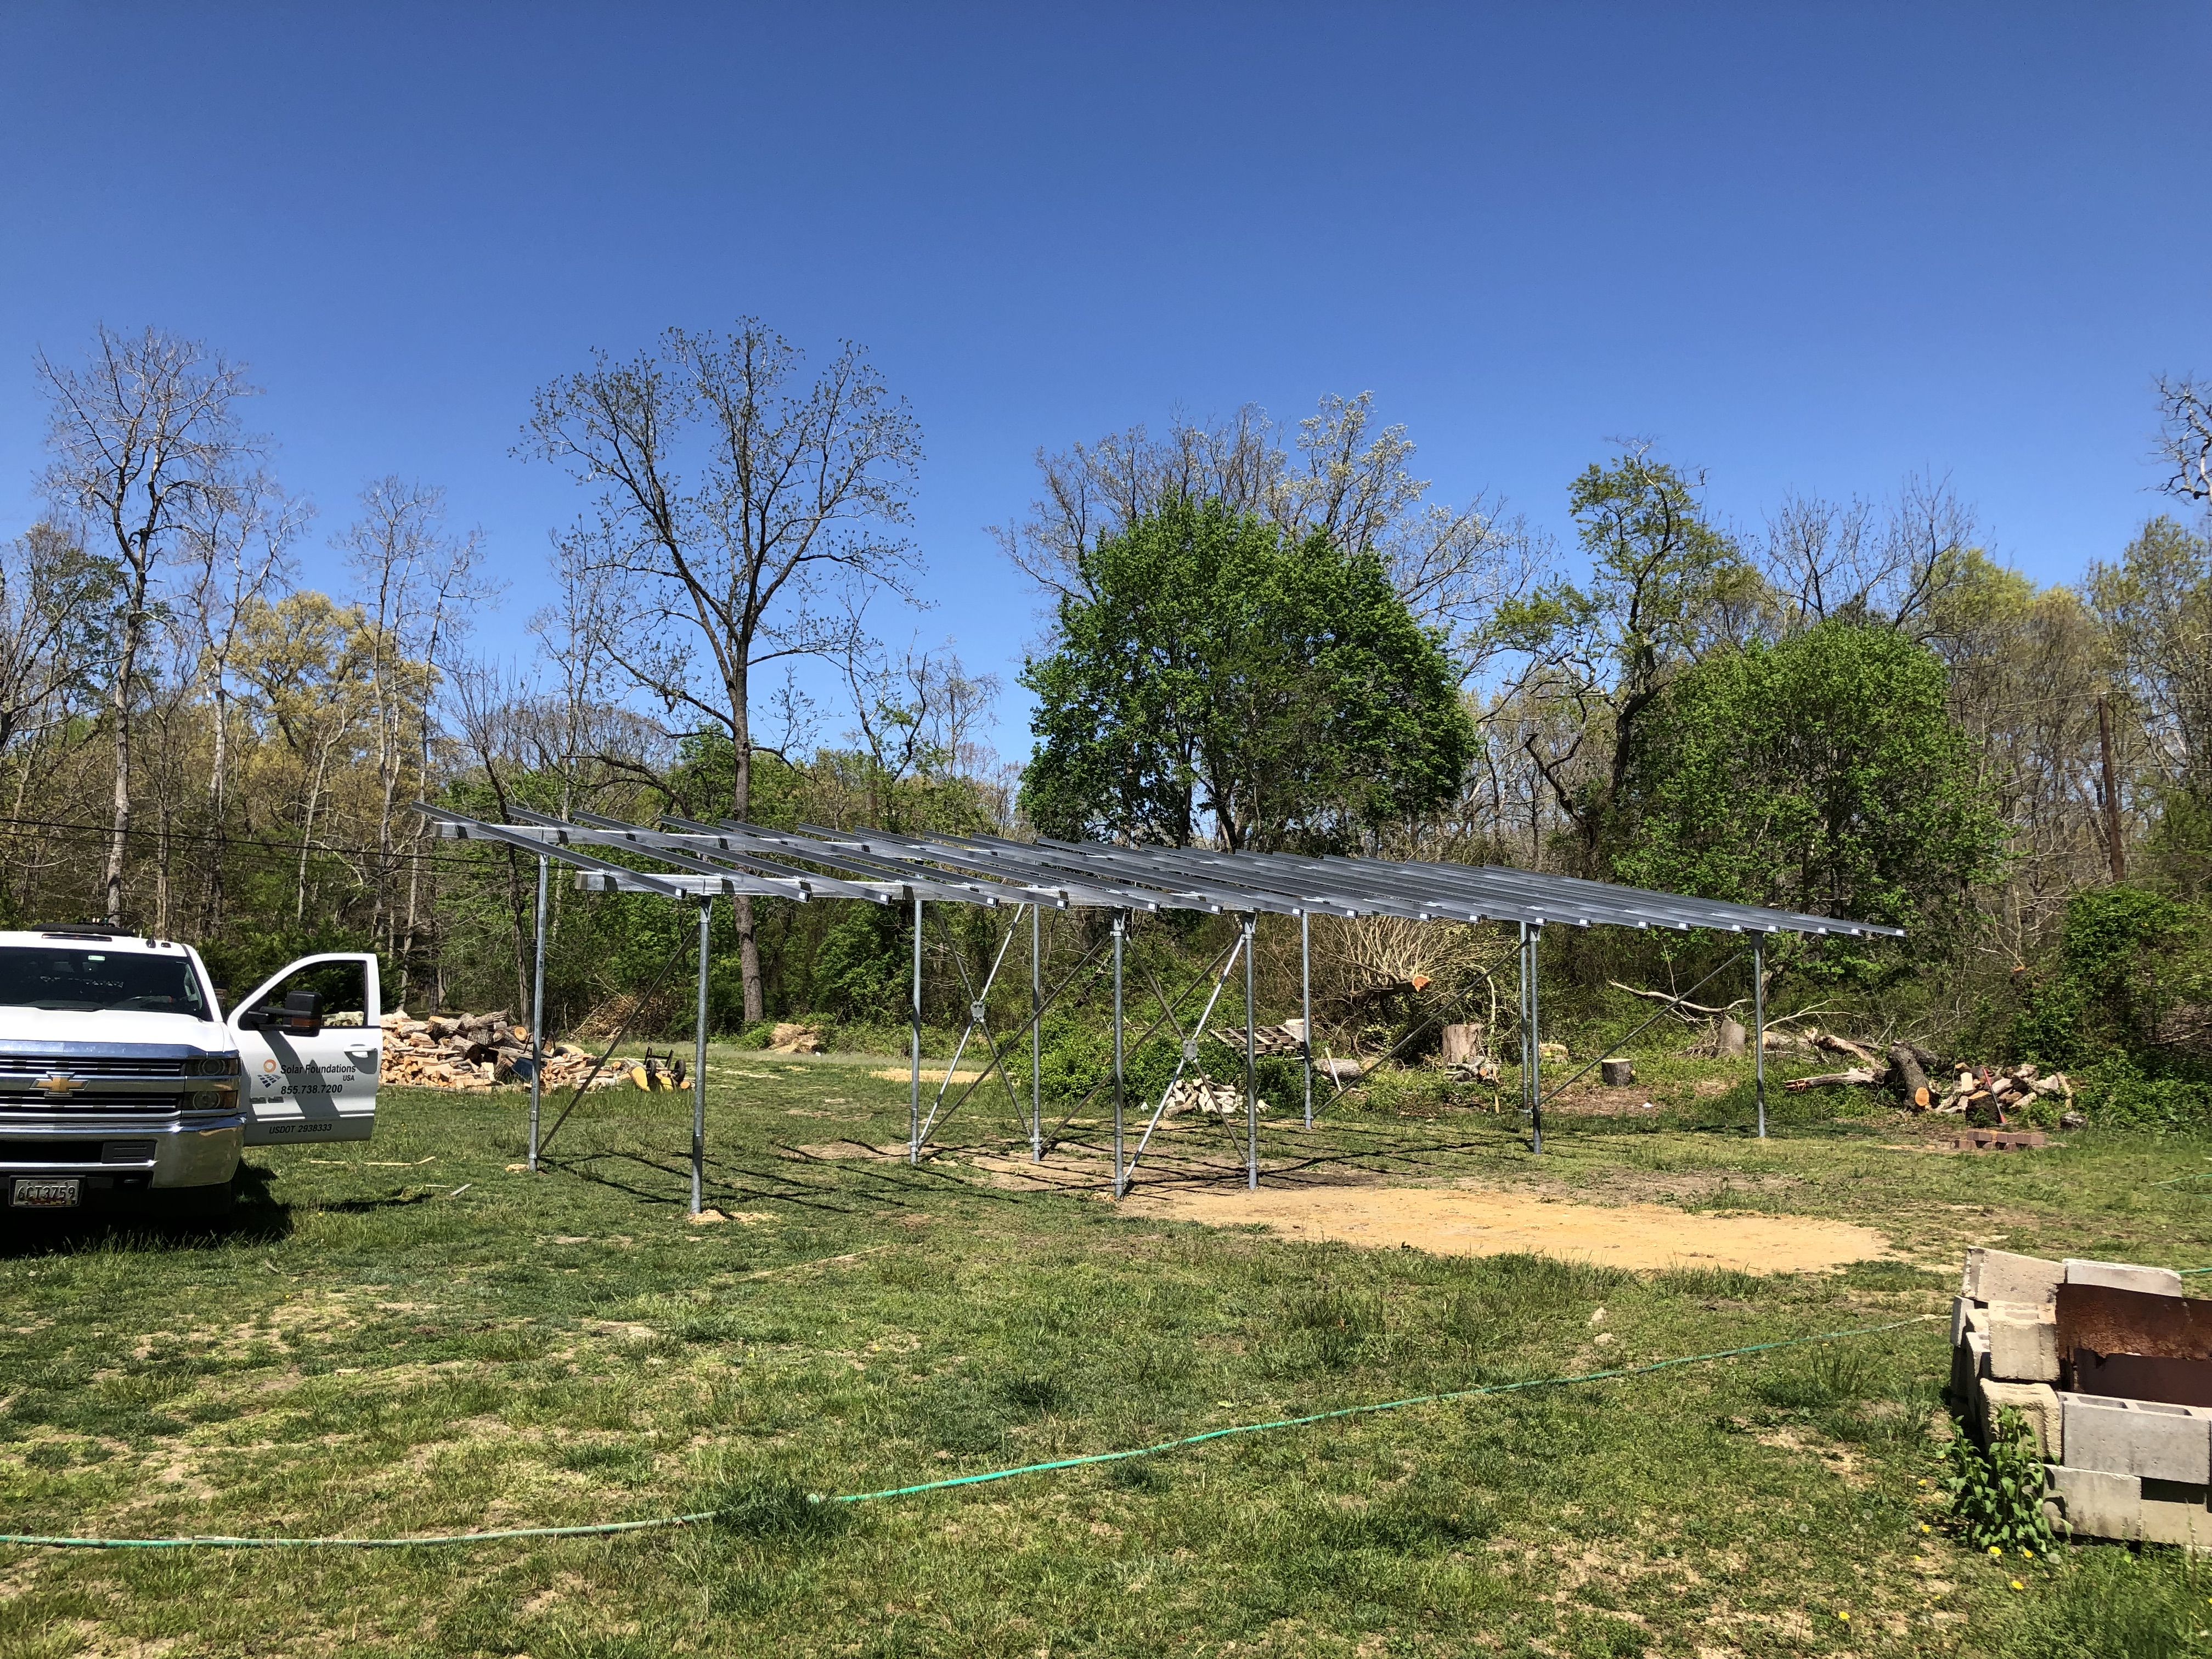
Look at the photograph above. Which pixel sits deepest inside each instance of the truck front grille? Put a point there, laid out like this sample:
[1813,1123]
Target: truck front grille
[14,1100]
[15,1066]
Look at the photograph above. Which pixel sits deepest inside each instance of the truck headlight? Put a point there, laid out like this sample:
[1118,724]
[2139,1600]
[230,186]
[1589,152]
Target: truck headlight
[212,1065]
[223,1097]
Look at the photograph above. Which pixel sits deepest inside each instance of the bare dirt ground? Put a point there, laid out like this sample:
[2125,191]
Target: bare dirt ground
[1488,1221]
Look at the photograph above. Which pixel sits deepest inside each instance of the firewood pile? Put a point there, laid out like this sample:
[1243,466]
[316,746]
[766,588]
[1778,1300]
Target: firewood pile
[1207,1097]
[1983,1095]
[1284,1042]
[480,1051]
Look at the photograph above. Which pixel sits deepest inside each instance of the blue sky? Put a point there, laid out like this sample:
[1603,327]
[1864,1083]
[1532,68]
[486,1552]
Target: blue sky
[1804,247]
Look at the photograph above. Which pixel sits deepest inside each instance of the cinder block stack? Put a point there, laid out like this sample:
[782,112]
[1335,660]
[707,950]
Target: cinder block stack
[2126,1468]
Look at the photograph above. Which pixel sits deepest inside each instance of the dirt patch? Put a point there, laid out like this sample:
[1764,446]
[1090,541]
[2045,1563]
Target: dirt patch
[1462,1221]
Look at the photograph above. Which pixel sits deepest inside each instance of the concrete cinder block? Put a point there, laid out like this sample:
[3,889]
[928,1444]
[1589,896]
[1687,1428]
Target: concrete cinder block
[1962,1319]
[2037,1405]
[2001,1276]
[2122,1276]
[2094,1504]
[1969,1364]
[2144,1438]
[2023,1342]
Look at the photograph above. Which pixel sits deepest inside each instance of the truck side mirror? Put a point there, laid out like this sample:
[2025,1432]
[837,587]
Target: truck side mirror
[303,1012]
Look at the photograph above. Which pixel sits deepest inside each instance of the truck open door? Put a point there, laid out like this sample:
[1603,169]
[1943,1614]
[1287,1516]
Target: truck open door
[310,1045]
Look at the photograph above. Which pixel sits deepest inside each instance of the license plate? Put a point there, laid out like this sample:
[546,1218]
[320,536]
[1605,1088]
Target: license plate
[48,1194]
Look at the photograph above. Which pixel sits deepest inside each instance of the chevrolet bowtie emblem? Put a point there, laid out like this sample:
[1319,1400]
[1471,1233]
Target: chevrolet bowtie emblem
[60,1085]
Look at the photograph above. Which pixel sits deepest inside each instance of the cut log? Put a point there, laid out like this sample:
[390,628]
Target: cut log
[1857,1077]
[1904,1071]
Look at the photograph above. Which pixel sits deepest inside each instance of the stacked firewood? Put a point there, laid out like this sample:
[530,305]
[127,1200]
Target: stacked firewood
[479,1051]
[1205,1097]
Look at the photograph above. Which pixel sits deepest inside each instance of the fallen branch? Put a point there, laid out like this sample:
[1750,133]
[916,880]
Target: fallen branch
[1857,1077]
[1674,1002]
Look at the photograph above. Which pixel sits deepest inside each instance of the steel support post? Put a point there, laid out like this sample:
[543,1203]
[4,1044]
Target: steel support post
[537,1019]
[699,1062]
[1526,1103]
[1251,1070]
[1306,1004]
[914,1046]
[1120,1184]
[1536,1041]
[1758,1028]
[1037,1036]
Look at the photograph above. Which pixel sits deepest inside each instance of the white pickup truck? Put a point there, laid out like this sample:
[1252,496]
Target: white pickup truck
[122,1082]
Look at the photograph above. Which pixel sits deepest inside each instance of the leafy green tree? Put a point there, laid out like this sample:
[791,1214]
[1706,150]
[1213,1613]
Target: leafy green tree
[1211,675]
[1824,772]
[1664,586]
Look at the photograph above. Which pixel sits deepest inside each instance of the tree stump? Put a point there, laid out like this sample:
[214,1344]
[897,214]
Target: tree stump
[1618,1073]
[1463,1043]
[1730,1037]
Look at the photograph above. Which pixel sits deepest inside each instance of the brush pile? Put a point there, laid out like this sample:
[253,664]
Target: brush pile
[480,1051]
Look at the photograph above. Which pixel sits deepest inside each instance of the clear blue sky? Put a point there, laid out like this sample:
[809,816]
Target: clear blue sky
[1804,247]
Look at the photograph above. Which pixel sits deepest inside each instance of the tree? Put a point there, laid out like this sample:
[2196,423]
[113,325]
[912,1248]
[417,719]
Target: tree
[1212,676]
[1663,584]
[1336,475]
[2184,444]
[417,583]
[1824,774]
[2156,607]
[730,502]
[144,438]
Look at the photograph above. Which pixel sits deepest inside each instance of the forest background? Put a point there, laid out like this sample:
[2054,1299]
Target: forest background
[1259,636]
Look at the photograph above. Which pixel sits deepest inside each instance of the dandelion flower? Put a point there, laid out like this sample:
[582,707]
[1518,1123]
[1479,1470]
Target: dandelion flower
[1844,1614]
[2016,1584]
[1995,1551]
[1924,1526]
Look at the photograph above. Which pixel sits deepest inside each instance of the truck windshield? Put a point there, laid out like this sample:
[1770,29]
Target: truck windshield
[126,982]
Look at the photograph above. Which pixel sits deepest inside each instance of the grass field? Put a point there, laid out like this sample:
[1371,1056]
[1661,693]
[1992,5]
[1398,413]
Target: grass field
[411,1336]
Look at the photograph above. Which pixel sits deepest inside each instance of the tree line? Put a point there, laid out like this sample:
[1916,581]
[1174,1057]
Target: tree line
[1257,635]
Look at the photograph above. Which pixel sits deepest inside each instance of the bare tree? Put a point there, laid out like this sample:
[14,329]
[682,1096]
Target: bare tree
[142,437]
[2185,443]
[733,502]
[1826,561]
[241,540]
[1338,474]
[409,572]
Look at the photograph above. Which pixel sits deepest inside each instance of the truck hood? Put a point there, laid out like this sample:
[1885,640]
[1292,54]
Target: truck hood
[43,1030]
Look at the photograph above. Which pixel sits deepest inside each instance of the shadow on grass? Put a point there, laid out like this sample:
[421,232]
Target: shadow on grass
[157,1223]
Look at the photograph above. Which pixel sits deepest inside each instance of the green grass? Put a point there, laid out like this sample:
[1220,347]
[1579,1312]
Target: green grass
[369,1351]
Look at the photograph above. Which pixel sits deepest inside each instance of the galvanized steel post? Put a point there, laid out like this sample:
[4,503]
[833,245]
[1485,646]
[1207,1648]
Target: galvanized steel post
[1758,1028]
[1251,1069]
[1306,1004]
[538,1018]
[914,1044]
[1120,1187]
[699,1062]
[1036,1040]
[1535,1042]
